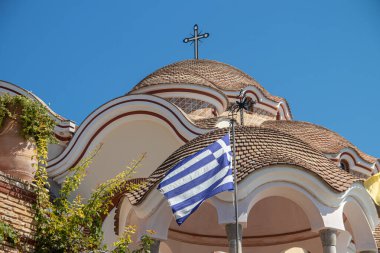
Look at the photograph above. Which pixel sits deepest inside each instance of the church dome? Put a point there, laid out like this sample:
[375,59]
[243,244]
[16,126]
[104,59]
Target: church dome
[320,138]
[209,73]
[203,72]
[257,148]
[203,89]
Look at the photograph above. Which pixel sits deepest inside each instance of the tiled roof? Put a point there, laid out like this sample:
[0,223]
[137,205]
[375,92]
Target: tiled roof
[135,194]
[257,148]
[203,72]
[318,137]
[208,123]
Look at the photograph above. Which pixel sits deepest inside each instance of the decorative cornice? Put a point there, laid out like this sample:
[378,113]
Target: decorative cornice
[64,129]
[263,102]
[356,162]
[205,93]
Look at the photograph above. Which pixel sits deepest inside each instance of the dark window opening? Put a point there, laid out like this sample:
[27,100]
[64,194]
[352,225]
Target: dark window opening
[344,165]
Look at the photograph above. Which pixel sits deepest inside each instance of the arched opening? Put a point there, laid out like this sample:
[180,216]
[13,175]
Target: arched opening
[200,233]
[275,223]
[357,225]
[344,165]
[348,228]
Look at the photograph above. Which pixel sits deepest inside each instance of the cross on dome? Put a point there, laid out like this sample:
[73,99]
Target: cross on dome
[196,37]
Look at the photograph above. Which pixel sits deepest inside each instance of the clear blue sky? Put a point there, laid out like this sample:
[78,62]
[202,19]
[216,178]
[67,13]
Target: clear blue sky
[322,56]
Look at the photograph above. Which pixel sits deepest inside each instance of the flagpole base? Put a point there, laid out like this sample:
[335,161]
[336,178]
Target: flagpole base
[231,236]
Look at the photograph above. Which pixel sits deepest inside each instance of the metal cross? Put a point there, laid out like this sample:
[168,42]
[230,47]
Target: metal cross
[195,39]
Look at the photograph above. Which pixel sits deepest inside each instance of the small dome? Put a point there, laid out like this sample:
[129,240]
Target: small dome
[256,148]
[202,72]
[323,139]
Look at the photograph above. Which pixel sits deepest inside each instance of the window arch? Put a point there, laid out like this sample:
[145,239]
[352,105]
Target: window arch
[344,165]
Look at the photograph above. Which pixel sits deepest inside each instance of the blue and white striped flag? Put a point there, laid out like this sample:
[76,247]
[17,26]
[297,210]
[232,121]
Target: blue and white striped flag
[197,178]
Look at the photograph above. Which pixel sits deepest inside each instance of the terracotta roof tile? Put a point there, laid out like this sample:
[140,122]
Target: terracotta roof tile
[203,72]
[318,137]
[256,148]
[208,122]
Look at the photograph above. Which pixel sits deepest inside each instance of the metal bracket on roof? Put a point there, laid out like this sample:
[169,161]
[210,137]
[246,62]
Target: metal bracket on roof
[240,106]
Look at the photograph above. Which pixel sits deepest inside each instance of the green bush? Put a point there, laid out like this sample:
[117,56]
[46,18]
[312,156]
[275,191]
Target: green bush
[8,234]
[63,225]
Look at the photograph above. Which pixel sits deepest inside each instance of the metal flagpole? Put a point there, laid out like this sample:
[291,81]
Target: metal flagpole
[235,187]
[240,105]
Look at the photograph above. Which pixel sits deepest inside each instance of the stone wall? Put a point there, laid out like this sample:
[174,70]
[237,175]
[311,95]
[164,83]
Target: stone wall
[16,199]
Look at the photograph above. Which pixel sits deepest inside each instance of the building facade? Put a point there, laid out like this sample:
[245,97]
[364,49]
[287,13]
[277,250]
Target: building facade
[300,185]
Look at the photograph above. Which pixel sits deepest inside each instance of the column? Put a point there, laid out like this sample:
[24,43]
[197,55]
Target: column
[155,247]
[231,236]
[328,238]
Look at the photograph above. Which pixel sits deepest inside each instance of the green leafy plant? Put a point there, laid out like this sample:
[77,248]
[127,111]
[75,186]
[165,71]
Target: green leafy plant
[37,124]
[76,226]
[8,234]
[122,245]
[64,225]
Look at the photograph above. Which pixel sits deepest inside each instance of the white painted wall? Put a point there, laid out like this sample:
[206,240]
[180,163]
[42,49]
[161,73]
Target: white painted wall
[108,225]
[125,143]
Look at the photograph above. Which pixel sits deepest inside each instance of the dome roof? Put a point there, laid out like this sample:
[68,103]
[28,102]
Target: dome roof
[256,148]
[323,139]
[203,72]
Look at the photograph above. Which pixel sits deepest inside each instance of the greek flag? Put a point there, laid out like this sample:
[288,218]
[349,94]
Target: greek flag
[197,178]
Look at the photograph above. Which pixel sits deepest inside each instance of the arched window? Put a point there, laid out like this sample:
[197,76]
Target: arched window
[344,165]
[278,116]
